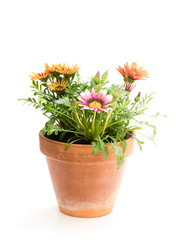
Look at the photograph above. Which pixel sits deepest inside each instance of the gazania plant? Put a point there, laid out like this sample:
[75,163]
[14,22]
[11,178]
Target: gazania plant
[94,112]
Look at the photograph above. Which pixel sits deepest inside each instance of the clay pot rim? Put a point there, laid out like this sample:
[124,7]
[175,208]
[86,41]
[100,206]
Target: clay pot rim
[81,145]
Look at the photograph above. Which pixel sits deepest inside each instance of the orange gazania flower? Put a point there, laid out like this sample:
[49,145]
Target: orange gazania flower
[40,76]
[62,69]
[58,85]
[132,73]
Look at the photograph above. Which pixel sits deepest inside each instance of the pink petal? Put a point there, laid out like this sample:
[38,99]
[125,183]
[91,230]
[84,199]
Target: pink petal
[106,109]
[85,107]
[108,99]
[93,94]
[97,110]
[99,95]
[85,95]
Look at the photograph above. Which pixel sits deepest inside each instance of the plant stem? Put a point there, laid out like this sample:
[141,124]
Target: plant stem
[85,120]
[132,106]
[107,118]
[79,120]
[93,123]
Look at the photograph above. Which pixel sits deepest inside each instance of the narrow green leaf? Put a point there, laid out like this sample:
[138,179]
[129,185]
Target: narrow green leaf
[62,135]
[104,76]
[68,145]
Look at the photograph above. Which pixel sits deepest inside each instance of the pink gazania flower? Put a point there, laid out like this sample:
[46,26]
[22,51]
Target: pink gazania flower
[95,101]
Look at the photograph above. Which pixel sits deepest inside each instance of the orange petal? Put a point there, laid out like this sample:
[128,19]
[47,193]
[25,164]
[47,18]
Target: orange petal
[144,74]
[126,68]
[139,69]
[120,69]
[133,65]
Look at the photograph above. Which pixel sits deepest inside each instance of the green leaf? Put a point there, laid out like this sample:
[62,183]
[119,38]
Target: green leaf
[94,151]
[64,101]
[124,145]
[94,144]
[134,128]
[101,147]
[120,133]
[56,132]
[38,93]
[118,154]
[105,137]
[139,142]
[70,143]
[50,122]
[140,147]
[126,103]
[105,152]
[120,161]
[43,131]
[62,135]
[38,106]
[49,132]
[104,76]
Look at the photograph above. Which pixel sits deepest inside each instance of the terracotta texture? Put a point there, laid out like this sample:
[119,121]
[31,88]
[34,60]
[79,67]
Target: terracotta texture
[85,185]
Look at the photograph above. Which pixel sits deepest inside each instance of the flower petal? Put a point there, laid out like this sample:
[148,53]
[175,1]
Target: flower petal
[100,97]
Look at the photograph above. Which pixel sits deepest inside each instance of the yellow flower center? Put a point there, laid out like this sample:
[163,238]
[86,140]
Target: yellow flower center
[95,104]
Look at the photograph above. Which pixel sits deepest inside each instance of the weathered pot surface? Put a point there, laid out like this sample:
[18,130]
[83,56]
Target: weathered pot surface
[85,185]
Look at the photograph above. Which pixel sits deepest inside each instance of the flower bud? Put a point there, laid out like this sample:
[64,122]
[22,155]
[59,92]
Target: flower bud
[98,74]
[73,101]
[129,86]
[137,98]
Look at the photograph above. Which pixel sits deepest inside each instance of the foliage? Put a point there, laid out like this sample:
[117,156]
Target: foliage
[97,121]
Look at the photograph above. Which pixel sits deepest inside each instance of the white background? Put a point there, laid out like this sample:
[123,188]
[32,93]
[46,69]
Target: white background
[97,35]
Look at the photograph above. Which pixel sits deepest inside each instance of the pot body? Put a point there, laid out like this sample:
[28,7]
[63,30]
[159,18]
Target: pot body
[85,185]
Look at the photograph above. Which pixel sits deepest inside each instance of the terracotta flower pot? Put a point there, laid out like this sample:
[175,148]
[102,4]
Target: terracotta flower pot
[85,185]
